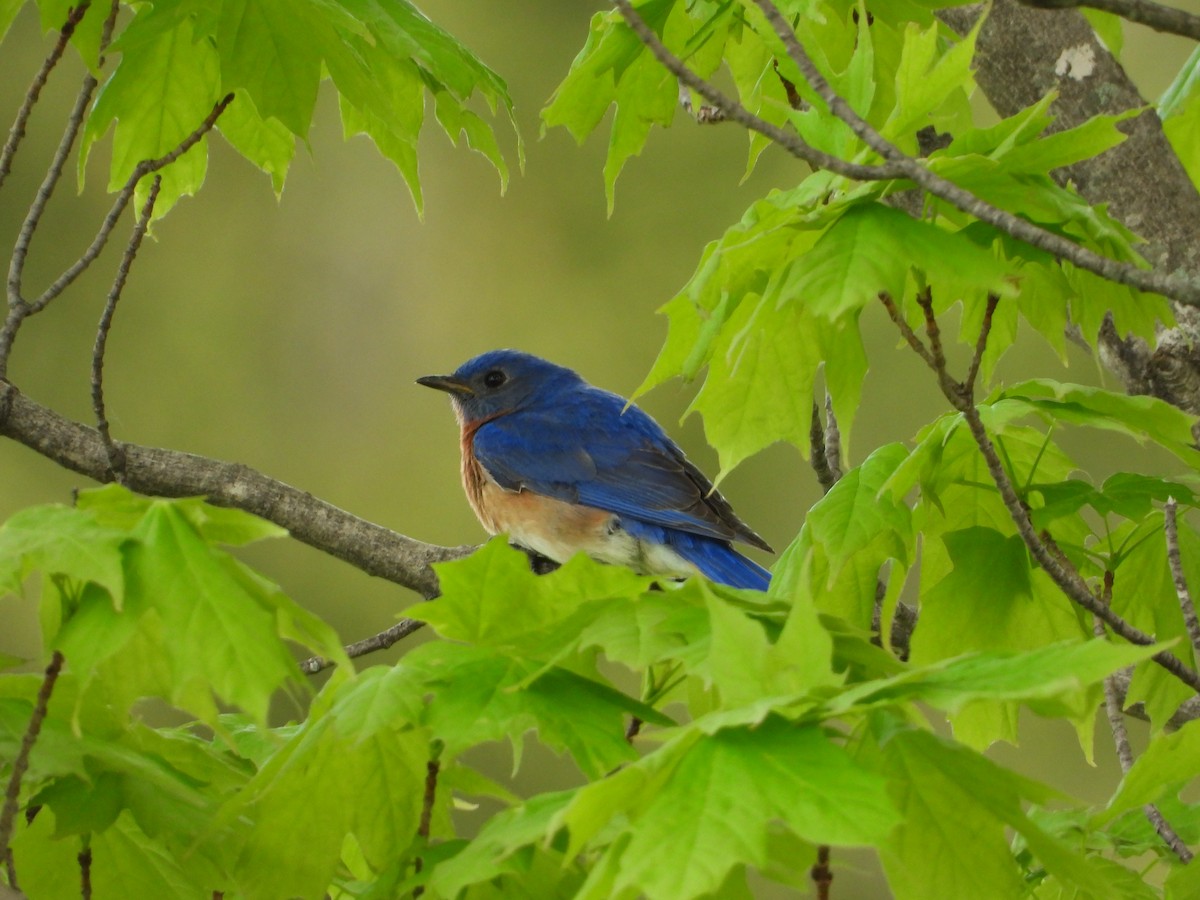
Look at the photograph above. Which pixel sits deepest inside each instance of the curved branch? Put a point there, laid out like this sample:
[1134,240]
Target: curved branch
[116,462]
[170,473]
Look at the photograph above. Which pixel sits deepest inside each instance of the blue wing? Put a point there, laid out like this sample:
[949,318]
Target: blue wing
[589,449]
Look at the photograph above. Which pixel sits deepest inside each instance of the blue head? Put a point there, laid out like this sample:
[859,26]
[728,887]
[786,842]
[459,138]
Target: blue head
[501,381]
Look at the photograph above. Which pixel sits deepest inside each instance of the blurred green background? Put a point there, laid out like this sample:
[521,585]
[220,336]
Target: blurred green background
[286,333]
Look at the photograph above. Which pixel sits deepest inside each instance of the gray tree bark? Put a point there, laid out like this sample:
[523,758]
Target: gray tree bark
[1024,53]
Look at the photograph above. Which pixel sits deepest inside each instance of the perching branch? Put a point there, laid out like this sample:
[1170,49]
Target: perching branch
[1175,562]
[20,764]
[1060,570]
[1116,723]
[1166,19]
[116,459]
[17,132]
[1175,285]
[381,641]
[158,472]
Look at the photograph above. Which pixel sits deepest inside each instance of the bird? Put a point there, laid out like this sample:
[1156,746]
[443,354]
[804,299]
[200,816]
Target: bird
[564,467]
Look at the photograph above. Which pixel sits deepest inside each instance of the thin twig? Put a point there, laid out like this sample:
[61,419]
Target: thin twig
[432,767]
[822,875]
[85,872]
[144,168]
[1060,570]
[985,329]
[905,331]
[1116,724]
[734,111]
[17,132]
[21,763]
[19,308]
[381,641]
[1166,19]
[116,456]
[1176,285]
[932,330]
[1175,561]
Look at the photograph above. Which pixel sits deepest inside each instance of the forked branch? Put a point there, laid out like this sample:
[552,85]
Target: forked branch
[1060,569]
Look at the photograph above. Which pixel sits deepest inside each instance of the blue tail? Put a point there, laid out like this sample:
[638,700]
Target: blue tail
[715,558]
[720,562]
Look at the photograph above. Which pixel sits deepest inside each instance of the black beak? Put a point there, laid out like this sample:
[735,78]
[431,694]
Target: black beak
[447,383]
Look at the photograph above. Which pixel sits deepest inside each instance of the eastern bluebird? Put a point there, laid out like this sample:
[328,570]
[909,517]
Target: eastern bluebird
[565,467]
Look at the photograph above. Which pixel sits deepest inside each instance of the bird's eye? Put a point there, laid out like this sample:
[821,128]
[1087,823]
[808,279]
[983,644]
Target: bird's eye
[494,378]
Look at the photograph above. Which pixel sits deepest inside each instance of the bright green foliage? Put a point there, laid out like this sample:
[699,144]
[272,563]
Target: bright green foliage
[770,724]
[178,58]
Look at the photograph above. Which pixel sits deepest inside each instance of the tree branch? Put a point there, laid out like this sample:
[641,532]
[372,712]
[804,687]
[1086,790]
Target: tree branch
[20,764]
[1176,285]
[1166,19]
[116,459]
[170,473]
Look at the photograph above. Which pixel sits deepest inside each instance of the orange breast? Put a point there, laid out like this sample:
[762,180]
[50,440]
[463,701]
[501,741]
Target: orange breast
[554,528]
